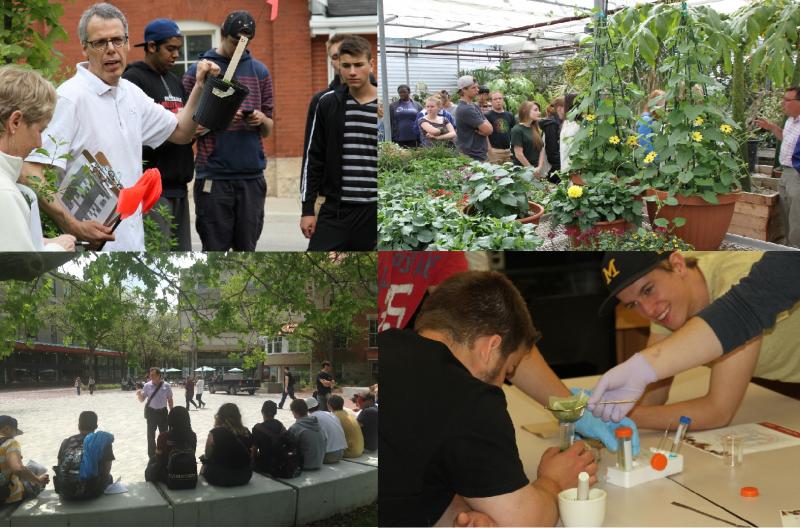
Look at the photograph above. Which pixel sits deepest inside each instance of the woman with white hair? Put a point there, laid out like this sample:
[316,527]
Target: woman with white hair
[27,101]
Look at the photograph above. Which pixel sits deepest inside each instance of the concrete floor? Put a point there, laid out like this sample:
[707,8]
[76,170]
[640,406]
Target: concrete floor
[47,416]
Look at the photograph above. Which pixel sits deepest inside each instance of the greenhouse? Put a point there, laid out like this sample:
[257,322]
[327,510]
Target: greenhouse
[588,125]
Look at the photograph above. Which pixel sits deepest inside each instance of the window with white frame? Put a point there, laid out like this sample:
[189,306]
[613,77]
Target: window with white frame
[373,331]
[198,37]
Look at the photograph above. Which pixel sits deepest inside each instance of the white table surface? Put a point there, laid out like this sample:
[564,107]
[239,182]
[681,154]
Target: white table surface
[705,482]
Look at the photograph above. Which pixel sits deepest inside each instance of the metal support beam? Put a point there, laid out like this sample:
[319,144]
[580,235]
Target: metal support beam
[384,84]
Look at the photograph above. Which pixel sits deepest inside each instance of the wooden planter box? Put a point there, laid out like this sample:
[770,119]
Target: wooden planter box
[757,216]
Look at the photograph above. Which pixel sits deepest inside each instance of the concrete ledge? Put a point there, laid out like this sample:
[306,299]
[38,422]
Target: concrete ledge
[368,459]
[5,514]
[332,489]
[142,505]
[261,502]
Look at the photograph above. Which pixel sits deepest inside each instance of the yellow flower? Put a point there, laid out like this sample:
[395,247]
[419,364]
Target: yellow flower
[589,117]
[698,121]
[726,129]
[575,191]
[650,157]
[633,141]
[614,140]
[697,136]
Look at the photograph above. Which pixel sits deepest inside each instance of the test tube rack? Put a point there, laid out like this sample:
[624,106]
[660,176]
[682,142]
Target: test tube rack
[642,470]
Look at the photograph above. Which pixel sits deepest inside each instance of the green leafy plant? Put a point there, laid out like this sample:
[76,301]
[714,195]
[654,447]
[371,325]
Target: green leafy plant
[500,191]
[639,240]
[478,233]
[603,198]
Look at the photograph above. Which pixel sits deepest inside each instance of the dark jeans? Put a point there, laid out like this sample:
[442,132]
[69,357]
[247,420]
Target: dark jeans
[200,398]
[190,399]
[91,389]
[231,216]
[156,418]
[290,392]
[323,400]
[344,227]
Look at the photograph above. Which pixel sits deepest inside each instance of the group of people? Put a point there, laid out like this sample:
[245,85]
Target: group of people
[473,331]
[91,383]
[485,130]
[43,129]
[320,435]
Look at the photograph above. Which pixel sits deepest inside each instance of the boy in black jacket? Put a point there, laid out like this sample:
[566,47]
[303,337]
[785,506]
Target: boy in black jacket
[162,47]
[341,162]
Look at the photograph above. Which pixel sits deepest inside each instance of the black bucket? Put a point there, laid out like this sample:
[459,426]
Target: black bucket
[752,154]
[219,103]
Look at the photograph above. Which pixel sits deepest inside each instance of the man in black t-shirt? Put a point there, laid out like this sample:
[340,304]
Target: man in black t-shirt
[162,47]
[460,455]
[324,384]
[368,420]
[288,387]
[502,122]
[71,486]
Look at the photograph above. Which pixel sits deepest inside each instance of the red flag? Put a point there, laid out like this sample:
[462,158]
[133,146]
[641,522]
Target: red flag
[146,191]
[153,192]
[274,11]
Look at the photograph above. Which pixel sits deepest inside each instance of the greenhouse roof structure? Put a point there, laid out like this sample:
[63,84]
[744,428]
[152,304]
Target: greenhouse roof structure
[510,27]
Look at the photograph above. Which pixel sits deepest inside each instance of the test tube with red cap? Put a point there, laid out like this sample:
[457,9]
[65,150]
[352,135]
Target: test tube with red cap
[624,448]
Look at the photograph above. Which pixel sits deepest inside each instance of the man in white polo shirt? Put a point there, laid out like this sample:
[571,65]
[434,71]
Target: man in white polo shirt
[100,112]
[789,186]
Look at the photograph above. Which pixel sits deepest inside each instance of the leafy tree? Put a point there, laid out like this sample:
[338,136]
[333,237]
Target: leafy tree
[30,29]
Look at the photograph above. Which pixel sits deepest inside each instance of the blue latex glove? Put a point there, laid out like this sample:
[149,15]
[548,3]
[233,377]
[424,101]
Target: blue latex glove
[589,426]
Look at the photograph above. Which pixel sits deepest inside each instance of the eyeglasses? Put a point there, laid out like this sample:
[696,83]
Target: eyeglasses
[102,44]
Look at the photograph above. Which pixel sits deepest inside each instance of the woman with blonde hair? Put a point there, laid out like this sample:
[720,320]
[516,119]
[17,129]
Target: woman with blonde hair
[27,102]
[228,458]
[434,128]
[526,137]
[655,102]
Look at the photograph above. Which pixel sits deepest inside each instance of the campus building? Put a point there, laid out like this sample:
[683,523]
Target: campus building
[292,47]
[43,358]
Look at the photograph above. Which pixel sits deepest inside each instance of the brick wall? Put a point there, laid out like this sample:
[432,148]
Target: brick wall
[295,60]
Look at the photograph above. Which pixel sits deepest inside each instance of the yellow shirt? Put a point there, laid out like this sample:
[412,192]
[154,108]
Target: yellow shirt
[6,447]
[779,358]
[352,433]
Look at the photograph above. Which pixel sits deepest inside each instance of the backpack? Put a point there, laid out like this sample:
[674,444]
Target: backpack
[281,456]
[67,473]
[181,469]
[287,462]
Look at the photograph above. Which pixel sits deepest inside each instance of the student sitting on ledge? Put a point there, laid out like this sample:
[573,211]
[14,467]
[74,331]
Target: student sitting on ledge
[228,459]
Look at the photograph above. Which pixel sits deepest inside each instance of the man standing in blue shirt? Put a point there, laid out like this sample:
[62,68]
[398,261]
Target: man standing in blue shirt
[789,186]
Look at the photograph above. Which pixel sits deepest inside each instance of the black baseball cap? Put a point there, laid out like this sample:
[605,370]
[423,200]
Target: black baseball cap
[8,420]
[622,268]
[239,22]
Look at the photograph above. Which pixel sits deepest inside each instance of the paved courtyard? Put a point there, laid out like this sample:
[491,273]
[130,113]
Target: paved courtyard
[47,416]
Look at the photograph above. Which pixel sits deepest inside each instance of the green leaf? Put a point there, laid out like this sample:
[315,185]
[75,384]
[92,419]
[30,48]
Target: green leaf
[483,195]
[679,221]
[661,222]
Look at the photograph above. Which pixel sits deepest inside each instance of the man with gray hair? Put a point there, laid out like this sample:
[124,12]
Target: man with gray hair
[98,111]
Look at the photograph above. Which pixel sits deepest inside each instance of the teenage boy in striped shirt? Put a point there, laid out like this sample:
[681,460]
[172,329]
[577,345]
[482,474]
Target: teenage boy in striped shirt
[342,158]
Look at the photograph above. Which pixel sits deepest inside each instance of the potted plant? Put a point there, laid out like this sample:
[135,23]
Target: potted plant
[501,191]
[636,240]
[604,203]
[696,172]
